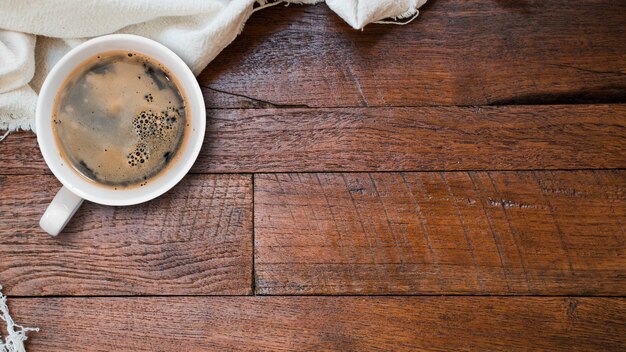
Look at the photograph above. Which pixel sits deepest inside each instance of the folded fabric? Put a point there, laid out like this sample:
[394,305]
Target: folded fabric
[35,34]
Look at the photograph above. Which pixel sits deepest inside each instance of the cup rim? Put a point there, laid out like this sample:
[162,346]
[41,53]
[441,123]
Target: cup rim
[101,194]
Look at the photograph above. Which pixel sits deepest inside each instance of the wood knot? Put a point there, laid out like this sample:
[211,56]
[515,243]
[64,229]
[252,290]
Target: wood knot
[572,306]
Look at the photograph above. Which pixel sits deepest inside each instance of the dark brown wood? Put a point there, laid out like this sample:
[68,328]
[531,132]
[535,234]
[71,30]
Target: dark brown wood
[457,52]
[393,139]
[543,233]
[369,108]
[324,324]
[19,154]
[196,239]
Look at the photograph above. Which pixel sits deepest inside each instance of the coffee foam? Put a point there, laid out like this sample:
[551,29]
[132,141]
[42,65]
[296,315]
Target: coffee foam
[120,119]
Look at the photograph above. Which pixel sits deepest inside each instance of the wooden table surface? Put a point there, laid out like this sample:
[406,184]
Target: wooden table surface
[454,184]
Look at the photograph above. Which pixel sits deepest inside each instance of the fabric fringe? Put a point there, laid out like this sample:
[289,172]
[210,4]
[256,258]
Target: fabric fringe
[265,4]
[400,23]
[14,342]
[27,126]
[408,16]
[5,135]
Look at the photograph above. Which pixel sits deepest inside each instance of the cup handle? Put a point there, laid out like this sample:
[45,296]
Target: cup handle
[60,211]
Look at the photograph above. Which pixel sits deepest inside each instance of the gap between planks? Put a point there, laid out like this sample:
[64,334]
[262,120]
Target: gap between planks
[479,295]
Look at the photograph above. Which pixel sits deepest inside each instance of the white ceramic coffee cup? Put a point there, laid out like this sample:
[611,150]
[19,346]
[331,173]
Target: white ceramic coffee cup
[77,188]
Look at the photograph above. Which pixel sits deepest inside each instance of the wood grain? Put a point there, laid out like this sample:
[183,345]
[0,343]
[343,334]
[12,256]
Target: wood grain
[457,52]
[539,233]
[393,139]
[196,239]
[324,324]
[339,123]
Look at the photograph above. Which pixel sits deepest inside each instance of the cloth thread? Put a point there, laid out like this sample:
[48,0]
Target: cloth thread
[16,334]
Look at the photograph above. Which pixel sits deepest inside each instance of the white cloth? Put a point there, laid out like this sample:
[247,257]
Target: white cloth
[34,34]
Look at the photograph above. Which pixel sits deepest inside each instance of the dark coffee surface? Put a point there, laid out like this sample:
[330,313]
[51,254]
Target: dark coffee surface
[120,119]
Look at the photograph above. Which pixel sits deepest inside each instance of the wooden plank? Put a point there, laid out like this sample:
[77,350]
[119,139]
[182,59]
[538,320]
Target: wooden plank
[19,154]
[196,239]
[393,139]
[324,323]
[545,233]
[457,52]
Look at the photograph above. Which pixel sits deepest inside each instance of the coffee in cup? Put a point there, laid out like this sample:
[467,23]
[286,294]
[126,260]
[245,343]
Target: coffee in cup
[119,119]
[105,106]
